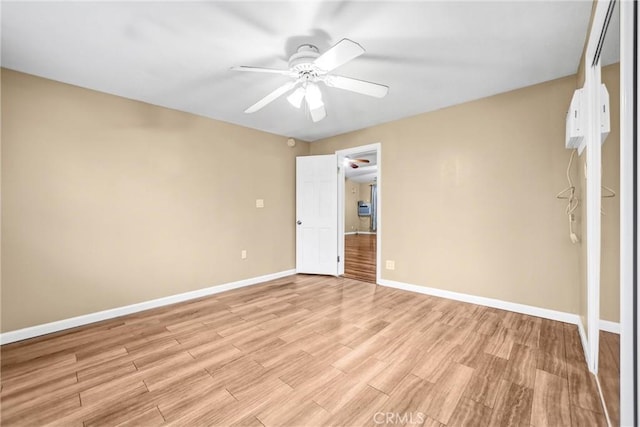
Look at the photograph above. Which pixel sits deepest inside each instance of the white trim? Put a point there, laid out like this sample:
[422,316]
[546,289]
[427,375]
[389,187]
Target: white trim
[60,325]
[359,232]
[341,154]
[593,183]
[627,396]
[609,326]
[593,190]
[602,402]
[594,178]
[489,302]
[583,340]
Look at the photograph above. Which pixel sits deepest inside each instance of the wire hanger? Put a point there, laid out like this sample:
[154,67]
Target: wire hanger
[610,193]
[566,194]
[569,194]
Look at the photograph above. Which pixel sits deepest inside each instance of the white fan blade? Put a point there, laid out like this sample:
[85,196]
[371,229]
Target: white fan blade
[261,70]
[271,97]
[342,52]
[318,114]
[355,85]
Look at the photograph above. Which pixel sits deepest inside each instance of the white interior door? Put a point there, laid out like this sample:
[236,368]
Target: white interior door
[317,215]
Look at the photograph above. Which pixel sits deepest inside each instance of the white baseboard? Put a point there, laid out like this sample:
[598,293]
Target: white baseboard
[489,302]
[60,325]
[608,326]
[583,341]
[351,232]
[360,232]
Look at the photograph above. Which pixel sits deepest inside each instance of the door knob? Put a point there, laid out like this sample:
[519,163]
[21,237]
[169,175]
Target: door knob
[299,222]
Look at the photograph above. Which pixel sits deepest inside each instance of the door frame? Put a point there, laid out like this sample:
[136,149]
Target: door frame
[629,216]
[340,155]
[593,143]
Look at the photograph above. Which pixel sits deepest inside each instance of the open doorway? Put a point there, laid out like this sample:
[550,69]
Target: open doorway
[359,201]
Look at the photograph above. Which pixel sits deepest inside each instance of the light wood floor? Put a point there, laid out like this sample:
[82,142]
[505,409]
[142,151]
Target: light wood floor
[307,351]
[609,373]
[360,257]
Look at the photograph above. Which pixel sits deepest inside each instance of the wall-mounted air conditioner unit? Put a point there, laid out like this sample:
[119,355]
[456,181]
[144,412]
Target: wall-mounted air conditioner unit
[576,120]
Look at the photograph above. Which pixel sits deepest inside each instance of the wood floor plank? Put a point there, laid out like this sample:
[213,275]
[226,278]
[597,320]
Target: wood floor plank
[358,411]
[121,390]
[433,364]
[361,353]
[149,418]
[470,413]
[43,412]
[410,397]
[341,391]
[307,413]
[472,348]
[200,396]
[360,257]
[513,405]
[583,390]
[447,392]
[483,389]
[296,407]
[521,366]
[500,342]
[141,412]
[304,350]
[485,380]
[389,379]
[550,401]
[551,363]
[586,418]
[248,421]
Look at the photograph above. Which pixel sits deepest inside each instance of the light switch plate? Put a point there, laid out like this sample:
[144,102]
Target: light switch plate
[390,265]
[259,203]
[243,254]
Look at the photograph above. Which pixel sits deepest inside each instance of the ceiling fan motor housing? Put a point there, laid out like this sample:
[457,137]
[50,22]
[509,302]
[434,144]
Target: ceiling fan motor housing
[302,62]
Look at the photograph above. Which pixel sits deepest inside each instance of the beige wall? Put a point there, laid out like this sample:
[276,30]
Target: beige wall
[351,197]
[486,221]
[610,256]
[365,194]
[108,202]
[354,192]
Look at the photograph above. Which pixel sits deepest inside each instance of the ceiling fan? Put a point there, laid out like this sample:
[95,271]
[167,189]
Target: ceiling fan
[307,68]
[354,162]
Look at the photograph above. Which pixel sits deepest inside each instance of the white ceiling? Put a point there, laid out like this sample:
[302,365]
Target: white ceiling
[178,54]
[365,172]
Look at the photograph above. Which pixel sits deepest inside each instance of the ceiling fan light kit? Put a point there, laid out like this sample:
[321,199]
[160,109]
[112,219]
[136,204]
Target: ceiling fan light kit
[308,68]
[296,97]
